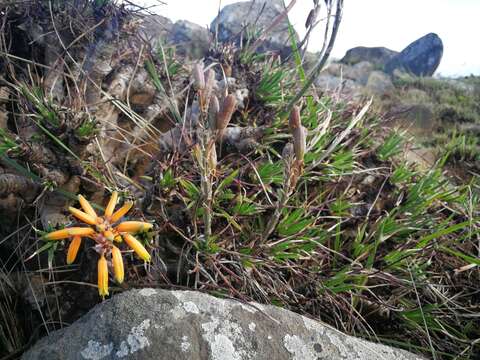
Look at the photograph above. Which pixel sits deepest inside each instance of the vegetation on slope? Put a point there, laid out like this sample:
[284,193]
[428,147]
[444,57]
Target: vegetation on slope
[361,239]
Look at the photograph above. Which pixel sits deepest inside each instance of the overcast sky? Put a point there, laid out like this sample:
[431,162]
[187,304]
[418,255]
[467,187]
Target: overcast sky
[390,23]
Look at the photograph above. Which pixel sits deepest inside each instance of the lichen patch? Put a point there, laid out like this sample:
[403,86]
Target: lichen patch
[96,351]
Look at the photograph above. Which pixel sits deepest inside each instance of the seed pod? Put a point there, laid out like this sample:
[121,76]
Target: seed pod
[198,76]
[299,142]
[73,249]
[226,111]
[212,158]
[213,110]
[295,121]
[111,204]
[102,277]
[117,262]
[209,84]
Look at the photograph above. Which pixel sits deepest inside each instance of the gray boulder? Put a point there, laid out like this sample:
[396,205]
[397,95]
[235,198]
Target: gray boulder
[161,324]
[235,21]
[376,55]
[420,58]
[191,40]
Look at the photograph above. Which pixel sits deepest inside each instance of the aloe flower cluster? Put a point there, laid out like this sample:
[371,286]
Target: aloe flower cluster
[105,231]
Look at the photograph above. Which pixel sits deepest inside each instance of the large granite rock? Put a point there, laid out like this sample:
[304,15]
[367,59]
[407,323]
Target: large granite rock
[190,40]
[236,20]
[161,324]
[376,55]
[421,58]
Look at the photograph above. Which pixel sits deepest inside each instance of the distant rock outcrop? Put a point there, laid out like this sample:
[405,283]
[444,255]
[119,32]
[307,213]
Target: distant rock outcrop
[256,16]
[420,58]
[375,55]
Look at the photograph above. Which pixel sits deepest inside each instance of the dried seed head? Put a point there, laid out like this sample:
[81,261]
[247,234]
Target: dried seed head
[212,158]
[198,76]
[213,110]
[226,111]
[295,121]
[209,83]
[300,142]
[287,152]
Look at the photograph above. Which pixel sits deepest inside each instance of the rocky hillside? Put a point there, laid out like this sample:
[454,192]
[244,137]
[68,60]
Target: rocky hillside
[240,173]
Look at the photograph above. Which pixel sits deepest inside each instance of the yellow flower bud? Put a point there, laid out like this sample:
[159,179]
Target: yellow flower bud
[69,232]
[137,247]
[111,204]
[117,215]
[109,235]
[117,261]
[86,206]
[73,249]
[80,215]
[102,277]
[133,226]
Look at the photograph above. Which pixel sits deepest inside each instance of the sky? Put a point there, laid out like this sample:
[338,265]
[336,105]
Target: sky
[390,23]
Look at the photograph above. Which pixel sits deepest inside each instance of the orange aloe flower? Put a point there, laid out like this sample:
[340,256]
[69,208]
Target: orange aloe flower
[104,231]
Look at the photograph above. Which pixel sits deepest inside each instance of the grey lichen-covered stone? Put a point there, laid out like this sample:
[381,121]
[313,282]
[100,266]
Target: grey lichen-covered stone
[421,58]
[160,324]
[235,21]
[191,40]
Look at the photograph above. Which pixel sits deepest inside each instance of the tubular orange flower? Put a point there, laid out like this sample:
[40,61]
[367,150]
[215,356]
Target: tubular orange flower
[86,218]
[117,215]
[109,235]
[133,226]
[111,204]
[86,206]
[68,232]
[137,247]
[73,249]
[117,264]
[102,277]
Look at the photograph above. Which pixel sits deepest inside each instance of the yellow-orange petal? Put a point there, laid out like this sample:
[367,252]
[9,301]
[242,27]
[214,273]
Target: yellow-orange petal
[133,226]
[73,249]
[111,204]
[137,247]
[68,232]
[80,215]
[109,235]
[86,206]
[118,238]
[102,277]
[117,261]
[117,215]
